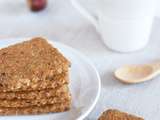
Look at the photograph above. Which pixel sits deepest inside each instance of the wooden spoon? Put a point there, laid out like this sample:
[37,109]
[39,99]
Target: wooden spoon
[137,73]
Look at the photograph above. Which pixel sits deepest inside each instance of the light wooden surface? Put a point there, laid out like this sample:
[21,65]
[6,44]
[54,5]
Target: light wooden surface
[61,22]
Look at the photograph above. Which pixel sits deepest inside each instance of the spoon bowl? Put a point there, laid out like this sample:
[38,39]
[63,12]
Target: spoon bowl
[135,73]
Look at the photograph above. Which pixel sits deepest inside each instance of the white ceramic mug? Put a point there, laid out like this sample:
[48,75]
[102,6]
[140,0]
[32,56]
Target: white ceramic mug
[125,25]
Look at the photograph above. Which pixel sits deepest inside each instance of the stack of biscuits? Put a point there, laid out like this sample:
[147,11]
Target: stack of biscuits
[34,78]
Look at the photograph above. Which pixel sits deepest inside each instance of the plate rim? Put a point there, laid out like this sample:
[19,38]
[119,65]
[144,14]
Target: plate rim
[97,74]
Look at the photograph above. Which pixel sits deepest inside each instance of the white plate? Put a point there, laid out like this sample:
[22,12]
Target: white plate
[84,85]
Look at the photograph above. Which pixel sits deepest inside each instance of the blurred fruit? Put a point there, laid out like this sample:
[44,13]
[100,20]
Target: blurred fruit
[37,5]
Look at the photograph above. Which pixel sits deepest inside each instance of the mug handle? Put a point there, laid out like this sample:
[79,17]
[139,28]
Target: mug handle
[93,19]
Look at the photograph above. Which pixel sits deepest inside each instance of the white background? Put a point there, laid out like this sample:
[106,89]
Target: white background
[61,22]
[158,9]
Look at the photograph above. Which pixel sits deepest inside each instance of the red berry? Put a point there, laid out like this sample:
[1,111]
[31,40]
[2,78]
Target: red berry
[37,5]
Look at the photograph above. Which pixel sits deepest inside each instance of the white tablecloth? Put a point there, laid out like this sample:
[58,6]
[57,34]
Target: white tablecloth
[61,22]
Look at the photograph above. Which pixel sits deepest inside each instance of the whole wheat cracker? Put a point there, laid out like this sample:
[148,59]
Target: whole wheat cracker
[34,110]
[25,85]
[113,114]
[18,103]
[28,63]
[38,94]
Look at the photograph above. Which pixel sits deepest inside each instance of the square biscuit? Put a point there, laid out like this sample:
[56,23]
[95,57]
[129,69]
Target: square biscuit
[27,65]
[34,110]
[38,94]
[20,103]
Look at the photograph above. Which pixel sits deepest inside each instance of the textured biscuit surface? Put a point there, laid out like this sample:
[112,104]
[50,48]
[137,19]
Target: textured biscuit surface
[34,78]
[38,94]
[117,115]
[27,85]
[37,102]
[59,107]
[28,65]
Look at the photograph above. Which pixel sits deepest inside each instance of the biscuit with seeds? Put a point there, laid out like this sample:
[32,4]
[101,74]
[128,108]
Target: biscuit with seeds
[113,114]
[31,65]
[38,94]
[34,110]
